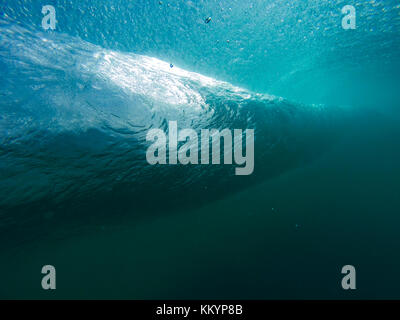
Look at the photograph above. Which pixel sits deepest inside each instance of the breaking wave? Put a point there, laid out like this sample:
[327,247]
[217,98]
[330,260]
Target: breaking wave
[74,118]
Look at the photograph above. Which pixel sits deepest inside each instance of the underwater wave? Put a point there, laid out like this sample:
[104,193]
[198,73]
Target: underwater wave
[74,118]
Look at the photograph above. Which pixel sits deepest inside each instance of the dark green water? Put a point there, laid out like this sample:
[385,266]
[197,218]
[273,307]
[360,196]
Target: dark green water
[77,193]
[346,210]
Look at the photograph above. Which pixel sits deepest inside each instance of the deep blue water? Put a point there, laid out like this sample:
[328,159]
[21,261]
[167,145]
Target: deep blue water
[76,190]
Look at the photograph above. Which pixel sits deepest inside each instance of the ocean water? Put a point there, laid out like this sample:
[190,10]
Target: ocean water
[76,191]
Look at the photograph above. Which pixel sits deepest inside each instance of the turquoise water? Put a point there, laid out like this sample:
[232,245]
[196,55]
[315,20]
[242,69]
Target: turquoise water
[76,190]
